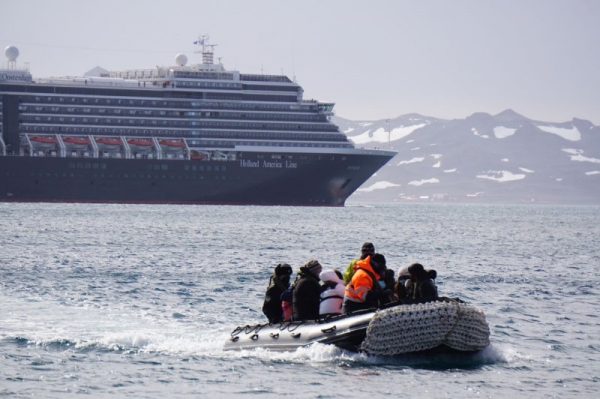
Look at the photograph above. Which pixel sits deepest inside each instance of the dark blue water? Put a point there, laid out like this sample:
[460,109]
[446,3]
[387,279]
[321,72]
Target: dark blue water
[115,301]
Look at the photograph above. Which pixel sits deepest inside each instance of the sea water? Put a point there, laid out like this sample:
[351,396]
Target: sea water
[137,301]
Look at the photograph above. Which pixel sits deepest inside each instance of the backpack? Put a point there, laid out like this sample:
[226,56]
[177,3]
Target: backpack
[286,303]
[287,298]
[349,272]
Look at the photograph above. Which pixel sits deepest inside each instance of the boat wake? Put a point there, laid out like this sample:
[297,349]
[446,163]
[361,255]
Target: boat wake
[57,327]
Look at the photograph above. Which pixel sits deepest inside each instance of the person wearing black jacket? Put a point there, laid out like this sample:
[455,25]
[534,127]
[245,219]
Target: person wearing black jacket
[421,288]
[307,292]
[279,282]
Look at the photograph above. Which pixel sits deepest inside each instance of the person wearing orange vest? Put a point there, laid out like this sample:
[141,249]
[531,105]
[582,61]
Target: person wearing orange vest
[364,290]
[367,249]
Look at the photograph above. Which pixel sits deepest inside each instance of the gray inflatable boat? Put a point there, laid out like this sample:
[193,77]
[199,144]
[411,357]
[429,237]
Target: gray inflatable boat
[385,332]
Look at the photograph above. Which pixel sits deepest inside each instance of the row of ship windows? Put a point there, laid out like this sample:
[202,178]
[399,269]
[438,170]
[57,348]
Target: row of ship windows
[173,113]
[150,168]
[209,85]
[233,86]
[203,75]
[249,97]
[294,89]
[265,78]
[190,176]
[156,167]
[320,127]
[171,103]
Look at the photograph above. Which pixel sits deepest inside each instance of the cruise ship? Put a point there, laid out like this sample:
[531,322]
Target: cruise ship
[183,134]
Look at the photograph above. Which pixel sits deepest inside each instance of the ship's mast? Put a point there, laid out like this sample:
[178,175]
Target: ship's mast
[207,49]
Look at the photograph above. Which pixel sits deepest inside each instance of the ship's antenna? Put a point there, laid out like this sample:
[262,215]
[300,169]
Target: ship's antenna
[293,66]
[207,51]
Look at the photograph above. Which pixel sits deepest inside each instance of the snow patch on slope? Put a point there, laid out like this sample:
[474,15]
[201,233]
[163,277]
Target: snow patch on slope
[413,160]
[502,132]
[501,176]
[526,170]
[383,136]
[424,181]
[476,133]
[571,134]
[577,155]
[380,185]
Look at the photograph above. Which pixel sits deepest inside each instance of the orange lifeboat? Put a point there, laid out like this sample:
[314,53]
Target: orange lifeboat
[172,143]
[44,139]
[109,141]
[141,142]
[76,140]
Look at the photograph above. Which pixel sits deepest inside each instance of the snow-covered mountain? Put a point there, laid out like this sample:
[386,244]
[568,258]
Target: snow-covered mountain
[482,158]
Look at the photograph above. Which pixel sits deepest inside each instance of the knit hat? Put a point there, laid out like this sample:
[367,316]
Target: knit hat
[314,267]
[332,276]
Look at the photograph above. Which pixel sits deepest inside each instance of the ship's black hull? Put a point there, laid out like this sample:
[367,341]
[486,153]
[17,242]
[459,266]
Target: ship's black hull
[253,178]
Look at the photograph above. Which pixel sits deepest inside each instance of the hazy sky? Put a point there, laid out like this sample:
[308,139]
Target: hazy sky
[375,59]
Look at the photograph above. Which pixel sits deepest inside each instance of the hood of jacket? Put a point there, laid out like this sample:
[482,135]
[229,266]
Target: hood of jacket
[329,276]
[365,264]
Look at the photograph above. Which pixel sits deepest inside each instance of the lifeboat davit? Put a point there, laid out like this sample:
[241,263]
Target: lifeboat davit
[172,143]
[442,325]
[199,155]
[108,141]
[44,139]
[76,140]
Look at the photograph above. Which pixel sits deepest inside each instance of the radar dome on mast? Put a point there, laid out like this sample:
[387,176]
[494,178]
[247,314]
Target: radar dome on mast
[181,59]
[11,53]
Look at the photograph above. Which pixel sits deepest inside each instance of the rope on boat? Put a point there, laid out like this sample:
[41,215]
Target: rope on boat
[413,328]
[255,329]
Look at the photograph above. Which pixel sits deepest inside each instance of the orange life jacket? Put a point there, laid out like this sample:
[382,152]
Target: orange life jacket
[362,281]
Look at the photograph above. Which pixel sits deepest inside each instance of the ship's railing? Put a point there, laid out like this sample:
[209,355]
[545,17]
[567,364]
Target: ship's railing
[154,73]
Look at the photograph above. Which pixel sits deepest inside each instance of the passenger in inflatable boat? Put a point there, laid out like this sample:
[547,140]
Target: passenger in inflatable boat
[307,292]
[400,286]
[278,283]
[332,296]
[367,249]
[389,282]
[286,304]
[364,290]
[420,287]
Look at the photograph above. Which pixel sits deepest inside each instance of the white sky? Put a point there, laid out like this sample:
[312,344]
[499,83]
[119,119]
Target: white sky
[375,59]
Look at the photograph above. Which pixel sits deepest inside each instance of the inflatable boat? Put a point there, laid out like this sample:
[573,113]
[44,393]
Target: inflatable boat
[395,330]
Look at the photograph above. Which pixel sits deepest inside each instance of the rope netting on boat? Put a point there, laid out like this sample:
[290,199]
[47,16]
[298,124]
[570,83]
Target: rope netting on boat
[413,328]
